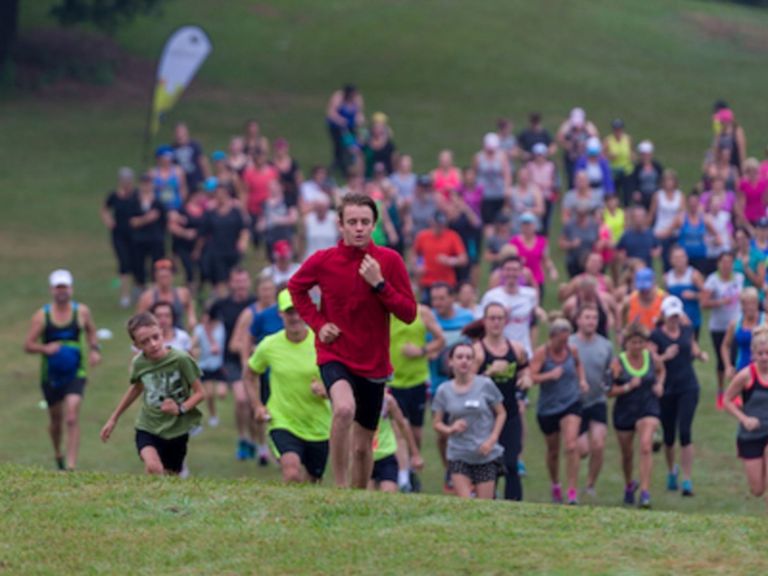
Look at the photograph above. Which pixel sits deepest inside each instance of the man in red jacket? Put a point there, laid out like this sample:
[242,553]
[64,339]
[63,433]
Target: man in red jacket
[361,285]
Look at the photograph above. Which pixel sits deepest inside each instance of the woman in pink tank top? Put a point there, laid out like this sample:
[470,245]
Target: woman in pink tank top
[534,250]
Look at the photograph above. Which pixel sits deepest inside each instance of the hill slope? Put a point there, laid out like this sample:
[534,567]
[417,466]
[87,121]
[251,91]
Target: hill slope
[94,523]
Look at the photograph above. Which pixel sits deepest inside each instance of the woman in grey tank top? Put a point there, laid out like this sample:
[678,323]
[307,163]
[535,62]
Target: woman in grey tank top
[556,368]
[494,175]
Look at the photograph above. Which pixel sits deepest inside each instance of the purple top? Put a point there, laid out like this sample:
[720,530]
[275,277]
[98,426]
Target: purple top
[730,200]
[473,197]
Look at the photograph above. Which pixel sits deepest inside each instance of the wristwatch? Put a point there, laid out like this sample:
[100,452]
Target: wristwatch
[379,287]
[182,410]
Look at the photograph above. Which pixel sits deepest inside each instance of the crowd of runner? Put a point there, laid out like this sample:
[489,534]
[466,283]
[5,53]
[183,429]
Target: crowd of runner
[306,344]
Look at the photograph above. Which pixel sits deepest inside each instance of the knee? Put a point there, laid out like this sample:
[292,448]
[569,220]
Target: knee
[71,419]
[598,444]
[571,446]
[685,440]
[344,413]
[646,448]
[361,451]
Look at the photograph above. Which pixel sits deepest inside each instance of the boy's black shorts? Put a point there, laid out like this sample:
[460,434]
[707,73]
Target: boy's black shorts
[172,452]
[369,395]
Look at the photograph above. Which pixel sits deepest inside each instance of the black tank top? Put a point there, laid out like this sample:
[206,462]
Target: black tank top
[176,304]
[68,332]
[506,382]
[755,398]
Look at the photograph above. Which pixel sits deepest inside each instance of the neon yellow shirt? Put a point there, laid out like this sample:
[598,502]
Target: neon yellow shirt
[384,441]
[292,405]
[409,372]
[615,223]
[621,153]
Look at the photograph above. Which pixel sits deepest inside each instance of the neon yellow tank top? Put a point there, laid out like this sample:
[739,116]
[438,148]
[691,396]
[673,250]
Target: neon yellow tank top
[621,153]
[615,223]
[384,441]
[409,372]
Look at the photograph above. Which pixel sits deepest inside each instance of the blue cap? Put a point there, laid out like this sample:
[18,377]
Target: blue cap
[164,150]
[218,155]
[211,183]
[644,279]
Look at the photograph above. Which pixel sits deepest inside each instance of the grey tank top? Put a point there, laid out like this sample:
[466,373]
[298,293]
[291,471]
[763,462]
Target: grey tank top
[490,175]
[557,395]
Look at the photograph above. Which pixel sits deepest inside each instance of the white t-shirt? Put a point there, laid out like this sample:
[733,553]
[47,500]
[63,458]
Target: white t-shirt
[311,192]
[521,307]
[278,276]
[320,234]
[731,289]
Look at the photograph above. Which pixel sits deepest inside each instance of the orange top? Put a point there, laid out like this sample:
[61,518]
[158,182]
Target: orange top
[429,246]
[646,316]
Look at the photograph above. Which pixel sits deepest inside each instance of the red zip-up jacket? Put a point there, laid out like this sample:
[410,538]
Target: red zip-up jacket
[348,301]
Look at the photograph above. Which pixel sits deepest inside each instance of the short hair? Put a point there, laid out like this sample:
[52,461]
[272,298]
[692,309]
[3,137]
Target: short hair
[511,259]
[237,270]
[445,285]
[585,306]
[358,200]
[163,304]
[750,293]
[140,320]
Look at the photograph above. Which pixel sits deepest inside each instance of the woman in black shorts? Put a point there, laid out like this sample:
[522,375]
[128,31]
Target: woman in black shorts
[638,383]
[751,383]
[506,364]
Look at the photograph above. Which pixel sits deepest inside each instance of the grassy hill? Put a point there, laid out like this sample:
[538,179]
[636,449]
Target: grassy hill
[443,71]
[93,523]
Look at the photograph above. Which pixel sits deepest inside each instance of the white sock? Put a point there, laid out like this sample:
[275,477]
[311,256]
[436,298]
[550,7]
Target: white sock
[403,477]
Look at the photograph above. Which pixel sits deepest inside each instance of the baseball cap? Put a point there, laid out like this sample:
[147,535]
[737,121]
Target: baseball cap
[645,147]
[60,277]
[644,279]
[528,218]
[617,123]
[539,149]
[281,248]
[284,301]
[218,156]
[593,146]
[211,183]
[125,173]
[578,116]
[671,306]
[491,141]
[163,150]
[424,180]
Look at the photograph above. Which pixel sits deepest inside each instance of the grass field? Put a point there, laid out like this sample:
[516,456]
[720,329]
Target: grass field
[443,71]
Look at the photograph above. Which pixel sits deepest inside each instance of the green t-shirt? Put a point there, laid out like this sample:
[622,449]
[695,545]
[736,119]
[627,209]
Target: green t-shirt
[170,377]
[292,405]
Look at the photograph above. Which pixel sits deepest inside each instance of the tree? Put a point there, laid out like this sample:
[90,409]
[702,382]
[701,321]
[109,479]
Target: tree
[105,14]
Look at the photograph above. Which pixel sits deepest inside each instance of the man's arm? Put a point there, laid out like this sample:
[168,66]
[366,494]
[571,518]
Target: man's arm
[189,307]
[397,295]
[32,344]
[94,356]
[299,286]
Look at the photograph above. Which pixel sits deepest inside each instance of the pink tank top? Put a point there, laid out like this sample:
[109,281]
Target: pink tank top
[532,256]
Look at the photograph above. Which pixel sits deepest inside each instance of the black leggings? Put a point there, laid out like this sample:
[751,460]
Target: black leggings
[141,252]
[677,412]
[511,438]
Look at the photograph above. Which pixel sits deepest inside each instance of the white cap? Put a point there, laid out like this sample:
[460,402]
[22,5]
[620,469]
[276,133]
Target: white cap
[594,146]
[671,306]
[578,116]
[491,141]
[540,149]
[645,147]
[60,278]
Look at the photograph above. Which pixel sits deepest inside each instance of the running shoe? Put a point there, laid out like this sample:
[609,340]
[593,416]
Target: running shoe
[243,453]
[195,431]
[629,493]
[573,499]
[719,405]
[61,466]
[672,479]
[522,471]
[448,484]
[251,449]
[557,494]
[125,302]
[415,482]
[645,500]
[213,421]
[687,488]
[590,492]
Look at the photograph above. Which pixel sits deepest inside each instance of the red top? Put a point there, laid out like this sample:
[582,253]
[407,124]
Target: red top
[348,301]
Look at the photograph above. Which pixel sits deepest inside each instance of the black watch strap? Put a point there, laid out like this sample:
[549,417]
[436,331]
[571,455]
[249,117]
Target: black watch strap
[380,286]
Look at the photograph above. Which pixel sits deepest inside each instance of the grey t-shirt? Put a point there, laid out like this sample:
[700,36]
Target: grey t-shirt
[475,407]
[572,199]
[588,236]
[595,355]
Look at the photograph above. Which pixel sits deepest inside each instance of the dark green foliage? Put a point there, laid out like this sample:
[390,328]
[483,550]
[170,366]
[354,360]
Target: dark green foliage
[105,14]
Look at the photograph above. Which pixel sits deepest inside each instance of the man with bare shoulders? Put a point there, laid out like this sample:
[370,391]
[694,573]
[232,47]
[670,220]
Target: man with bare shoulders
[60,332]
[179,297]
[361,285]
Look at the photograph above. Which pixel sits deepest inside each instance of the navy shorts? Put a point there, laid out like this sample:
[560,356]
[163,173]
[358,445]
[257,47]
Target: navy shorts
[751,449]
[369,395]
[412,402]
[313,455]
[595,413]
[233,371]
[172,451]
[214,375]
[385,470]
[55,394]
[550,423]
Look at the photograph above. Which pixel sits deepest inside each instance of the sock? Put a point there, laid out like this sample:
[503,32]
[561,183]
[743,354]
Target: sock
[403,477]
[263,450]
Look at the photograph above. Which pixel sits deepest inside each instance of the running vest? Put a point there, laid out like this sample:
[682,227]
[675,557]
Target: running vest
[408,372]
[645,315]
[621,152]
[676,285]
[742,339]
[614,223]
[647,377]
[692,238]
[506,382]
[755,397]
[69,362]
[557,395]
[384,441]
[176,306]
[167,190]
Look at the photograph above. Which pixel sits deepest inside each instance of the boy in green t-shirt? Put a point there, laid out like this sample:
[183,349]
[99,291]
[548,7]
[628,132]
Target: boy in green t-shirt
[170,382]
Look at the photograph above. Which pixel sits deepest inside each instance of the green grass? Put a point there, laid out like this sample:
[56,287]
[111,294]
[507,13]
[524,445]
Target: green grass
[443,71]
[93,523]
